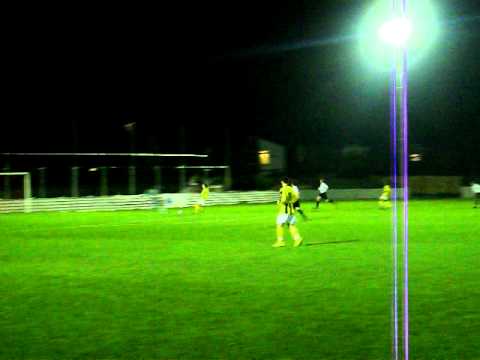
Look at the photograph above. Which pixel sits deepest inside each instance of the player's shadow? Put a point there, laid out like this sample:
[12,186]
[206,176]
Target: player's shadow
[331,242]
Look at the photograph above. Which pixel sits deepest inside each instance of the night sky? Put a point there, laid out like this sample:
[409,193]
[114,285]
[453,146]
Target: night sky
[76,75]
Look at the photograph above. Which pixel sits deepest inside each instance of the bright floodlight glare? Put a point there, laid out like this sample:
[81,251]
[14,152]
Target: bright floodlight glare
[417,29]
[396,32]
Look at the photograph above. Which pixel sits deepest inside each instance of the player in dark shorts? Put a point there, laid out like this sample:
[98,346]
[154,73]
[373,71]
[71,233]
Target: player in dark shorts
[322,193]
[296,204]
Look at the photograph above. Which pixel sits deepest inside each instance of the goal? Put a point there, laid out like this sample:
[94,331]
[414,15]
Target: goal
[191,177]
[24,194]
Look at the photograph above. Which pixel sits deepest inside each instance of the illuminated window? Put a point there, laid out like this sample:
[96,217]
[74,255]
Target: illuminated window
[264,157]
[416,157]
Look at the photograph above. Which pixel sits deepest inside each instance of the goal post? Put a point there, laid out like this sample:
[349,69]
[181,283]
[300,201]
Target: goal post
[27,188]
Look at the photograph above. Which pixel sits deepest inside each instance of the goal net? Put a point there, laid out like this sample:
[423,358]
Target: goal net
[16,190]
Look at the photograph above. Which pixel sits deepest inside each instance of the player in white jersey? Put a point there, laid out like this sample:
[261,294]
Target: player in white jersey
[322,193]
[476,193]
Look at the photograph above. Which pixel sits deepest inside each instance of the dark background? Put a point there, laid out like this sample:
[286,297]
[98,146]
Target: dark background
[211,77]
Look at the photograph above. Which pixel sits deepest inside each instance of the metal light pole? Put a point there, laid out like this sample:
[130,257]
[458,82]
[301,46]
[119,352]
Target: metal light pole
[399,88]
[74,171]
[132,173]
[157,173]
[42,192]
[103,181]
[75,192]
[412,30]
[396,33]
[402,93]
[7,191]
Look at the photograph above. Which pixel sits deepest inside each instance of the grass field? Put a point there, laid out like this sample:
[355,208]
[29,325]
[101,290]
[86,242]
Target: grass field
[150,285]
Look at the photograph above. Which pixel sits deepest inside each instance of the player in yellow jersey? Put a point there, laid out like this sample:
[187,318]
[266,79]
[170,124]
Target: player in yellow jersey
[203,197]
[286,214]
[384,199]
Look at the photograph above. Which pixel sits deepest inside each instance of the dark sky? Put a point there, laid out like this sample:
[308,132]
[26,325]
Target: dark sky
[215,65]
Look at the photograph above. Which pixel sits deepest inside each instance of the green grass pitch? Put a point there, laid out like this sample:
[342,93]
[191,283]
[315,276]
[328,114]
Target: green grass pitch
[151,285]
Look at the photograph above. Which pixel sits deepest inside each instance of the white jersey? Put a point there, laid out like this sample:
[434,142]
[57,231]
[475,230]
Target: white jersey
[475,188]
[296,190]
[323,188]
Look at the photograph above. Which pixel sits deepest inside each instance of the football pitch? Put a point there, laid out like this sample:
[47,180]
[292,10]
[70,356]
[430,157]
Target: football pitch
[152,285]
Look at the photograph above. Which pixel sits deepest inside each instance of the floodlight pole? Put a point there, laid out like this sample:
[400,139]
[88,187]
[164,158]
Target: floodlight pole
[403,106]
[6,181]
[394,177]
[397,37]
[157,171]
[395,33]
[103,181]
[403,74]
[27,185]
[75,192]
[400,93]
[400,90]
[42,192]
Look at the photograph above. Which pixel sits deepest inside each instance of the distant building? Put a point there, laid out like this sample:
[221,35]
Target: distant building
[271,156]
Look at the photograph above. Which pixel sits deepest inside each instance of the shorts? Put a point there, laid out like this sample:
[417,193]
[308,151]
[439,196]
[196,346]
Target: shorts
[383,197]
[323,196]
[283,219]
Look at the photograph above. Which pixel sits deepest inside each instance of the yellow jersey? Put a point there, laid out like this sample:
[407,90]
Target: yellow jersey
[386,191]
[287,198]
[204,193]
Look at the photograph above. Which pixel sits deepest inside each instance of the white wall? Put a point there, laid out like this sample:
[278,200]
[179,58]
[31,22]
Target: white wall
[177,200]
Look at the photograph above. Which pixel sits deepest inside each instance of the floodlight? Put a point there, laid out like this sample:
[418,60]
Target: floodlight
[396,32]
[384,31]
